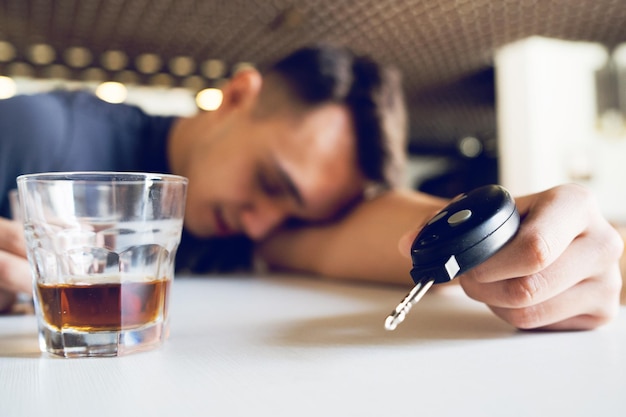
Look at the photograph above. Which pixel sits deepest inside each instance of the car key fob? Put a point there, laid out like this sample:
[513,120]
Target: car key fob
[464,234]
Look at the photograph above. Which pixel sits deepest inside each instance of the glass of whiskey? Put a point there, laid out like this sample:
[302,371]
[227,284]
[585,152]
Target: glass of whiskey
[102,248]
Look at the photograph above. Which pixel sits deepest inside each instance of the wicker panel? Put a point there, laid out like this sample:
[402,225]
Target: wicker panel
[443,47]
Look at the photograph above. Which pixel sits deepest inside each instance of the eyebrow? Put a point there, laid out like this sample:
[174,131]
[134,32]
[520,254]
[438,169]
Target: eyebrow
[290,186]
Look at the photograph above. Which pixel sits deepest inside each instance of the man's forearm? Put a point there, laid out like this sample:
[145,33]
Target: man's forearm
[363,245]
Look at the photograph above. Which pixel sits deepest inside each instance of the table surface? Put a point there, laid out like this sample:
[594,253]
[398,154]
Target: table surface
[290,345]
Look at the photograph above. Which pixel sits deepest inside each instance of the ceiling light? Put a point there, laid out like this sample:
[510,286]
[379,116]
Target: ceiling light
[194,83]
[77,56]
[7,51]
[209,99]
[57,71]
[213,68]
[242,66]
[182,65]
[8,88]
[470,147]
[127,77]
[148,63]
[114,60]
[111,91]
[20,69]
[162,80]
[94,74]
[41,54]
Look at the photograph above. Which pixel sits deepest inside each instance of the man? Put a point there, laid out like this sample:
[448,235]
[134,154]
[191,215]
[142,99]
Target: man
[304,161]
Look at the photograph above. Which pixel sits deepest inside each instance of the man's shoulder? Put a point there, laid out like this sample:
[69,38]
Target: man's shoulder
[57,103]
[56,99]
[26,118]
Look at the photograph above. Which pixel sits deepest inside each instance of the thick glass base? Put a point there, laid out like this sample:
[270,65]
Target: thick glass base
[71,343]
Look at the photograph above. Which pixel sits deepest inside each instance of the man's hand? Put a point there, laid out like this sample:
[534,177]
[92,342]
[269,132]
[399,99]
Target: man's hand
[15,275]
[560,272]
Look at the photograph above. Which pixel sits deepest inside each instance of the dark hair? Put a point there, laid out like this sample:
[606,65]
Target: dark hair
[322,74]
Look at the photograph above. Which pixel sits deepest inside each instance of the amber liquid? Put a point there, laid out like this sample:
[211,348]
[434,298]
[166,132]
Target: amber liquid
[103,307]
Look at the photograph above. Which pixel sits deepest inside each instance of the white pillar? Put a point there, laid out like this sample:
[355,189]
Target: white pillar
[546,111]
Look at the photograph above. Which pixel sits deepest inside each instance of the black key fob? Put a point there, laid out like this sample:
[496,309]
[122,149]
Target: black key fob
[467,232]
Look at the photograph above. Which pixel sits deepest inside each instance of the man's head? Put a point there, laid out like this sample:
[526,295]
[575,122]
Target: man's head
[319,75]
[303,139]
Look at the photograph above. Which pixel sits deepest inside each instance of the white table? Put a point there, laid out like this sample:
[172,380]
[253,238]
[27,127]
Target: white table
[296,346]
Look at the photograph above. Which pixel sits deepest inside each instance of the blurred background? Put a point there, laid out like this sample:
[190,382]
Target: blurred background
[526,93]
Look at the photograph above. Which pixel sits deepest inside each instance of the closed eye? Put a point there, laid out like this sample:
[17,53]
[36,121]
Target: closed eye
[275,182]
[270,186]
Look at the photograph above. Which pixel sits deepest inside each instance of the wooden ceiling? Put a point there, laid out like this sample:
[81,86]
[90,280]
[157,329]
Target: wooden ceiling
[444,48]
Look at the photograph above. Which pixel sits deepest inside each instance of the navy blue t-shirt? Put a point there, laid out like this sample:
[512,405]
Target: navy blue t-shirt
[76,131]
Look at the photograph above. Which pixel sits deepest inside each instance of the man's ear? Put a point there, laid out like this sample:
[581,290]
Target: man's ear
[242,89]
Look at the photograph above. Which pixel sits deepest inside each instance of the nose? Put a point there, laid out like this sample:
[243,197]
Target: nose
[261,217]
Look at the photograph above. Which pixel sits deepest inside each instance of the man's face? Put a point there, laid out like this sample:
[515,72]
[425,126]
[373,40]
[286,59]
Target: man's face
[253,173]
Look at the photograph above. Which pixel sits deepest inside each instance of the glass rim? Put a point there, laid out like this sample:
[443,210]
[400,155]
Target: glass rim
[104,177]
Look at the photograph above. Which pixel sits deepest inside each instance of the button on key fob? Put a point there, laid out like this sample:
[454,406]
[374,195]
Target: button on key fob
[464,234]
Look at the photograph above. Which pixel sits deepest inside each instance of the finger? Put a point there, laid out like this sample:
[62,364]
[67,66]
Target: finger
[15,274]
[585,257]
[12,237]
[551,222]
[7,300]
[589,304]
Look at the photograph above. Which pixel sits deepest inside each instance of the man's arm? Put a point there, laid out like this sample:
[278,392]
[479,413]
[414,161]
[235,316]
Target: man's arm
[560,271]
[362,245]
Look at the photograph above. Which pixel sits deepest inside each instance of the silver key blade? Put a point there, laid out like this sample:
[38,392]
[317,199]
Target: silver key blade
[398,315]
